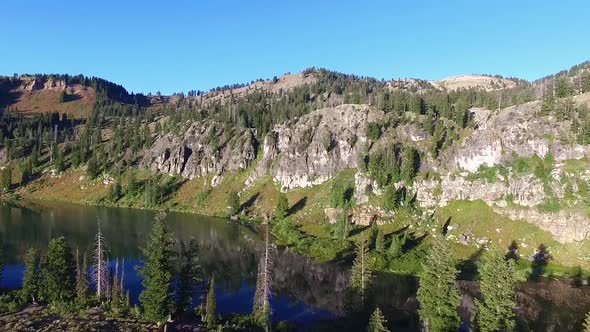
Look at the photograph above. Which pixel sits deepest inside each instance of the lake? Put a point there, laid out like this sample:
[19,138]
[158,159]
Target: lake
[310,294]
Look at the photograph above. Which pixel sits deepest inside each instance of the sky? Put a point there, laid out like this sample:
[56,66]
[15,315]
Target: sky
[180,45]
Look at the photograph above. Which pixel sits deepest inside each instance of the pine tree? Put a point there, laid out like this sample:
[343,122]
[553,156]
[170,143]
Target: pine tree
[380,241]
[262,309]
[157,273]
[211,306]
[59,271]
[82,282]
[362,269]
[495,312]
[101,273]
[31,278]
[6,178]
[438,294]
[233,203]
[377,322]
[282,206]
[190,275]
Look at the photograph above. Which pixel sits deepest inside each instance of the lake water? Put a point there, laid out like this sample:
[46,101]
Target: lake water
[309,294]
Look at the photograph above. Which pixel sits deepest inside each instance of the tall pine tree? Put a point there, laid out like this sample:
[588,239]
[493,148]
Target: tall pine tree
[59,271]
[362,269]
[495,311]
[32,277]
[157,273]
[190,275]
[211,305]
[377,322]
[438,294]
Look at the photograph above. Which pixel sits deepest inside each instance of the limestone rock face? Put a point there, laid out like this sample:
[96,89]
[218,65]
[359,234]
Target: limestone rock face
[310,150]
[518,130]
[525,191]
[203,148]
[565,226]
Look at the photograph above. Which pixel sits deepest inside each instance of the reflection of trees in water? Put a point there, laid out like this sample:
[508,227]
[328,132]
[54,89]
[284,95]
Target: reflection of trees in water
[231,253]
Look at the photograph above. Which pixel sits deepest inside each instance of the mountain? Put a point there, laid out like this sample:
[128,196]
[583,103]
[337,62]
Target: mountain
[492,160]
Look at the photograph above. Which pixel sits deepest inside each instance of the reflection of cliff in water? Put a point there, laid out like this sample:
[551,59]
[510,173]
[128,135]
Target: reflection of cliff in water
[231,252]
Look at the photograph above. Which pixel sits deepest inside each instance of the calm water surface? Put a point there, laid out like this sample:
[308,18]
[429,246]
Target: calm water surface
[305,292]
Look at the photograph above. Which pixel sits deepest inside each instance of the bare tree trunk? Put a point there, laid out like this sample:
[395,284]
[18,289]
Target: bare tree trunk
[101,266]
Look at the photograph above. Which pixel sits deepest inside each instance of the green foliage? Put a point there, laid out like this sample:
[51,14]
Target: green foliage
[202,197]
[32,277]
[398,241]
[92,168]
[586,324]
[373,131]
[190,275]
[377,322]
[341,193]
[157,272]
[211,306]
[380,241]
[82,280]
[282,206]
[393,198]
[362,269]
[384,165]
[410,163]
[495,312]
[6,178]
[59,271]
[563,87]
[438,294]
[233,203]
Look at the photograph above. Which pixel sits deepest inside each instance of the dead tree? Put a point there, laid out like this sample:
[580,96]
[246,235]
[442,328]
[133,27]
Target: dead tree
[101,273]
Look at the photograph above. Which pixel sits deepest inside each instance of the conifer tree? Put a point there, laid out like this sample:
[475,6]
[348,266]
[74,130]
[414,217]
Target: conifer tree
[211,305]
[495,312]
[6,178]
[377,322]
[380,241]
[59,271]
[157,273]
[31,278]
[233,203]
[362,269]
[282,206]
[190,275]
[82,282]
[438,294]
[262,309]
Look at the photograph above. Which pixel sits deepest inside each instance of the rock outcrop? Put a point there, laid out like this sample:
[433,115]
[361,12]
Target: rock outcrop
[518,130]
[203,148]
[310,150]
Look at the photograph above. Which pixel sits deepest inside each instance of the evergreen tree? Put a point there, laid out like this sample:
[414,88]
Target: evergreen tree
[282,206]
[31,278]
[362,269]
[58,162]
[59,271]
[158,257]
[92,169]
[438,294]
[190,275]
[380,241]
[377,322]
[495,312]
[82,281]
[233,203]
[211,306]
[410,163]
[6,178]
[391,198]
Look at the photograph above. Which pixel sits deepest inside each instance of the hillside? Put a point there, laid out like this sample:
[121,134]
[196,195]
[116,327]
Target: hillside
[481,157]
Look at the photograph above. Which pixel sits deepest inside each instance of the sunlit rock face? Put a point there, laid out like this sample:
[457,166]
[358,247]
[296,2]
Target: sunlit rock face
[203,148]
[515,131]
[310,150]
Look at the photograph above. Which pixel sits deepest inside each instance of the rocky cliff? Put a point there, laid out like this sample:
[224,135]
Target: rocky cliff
[310,150]
[203,148]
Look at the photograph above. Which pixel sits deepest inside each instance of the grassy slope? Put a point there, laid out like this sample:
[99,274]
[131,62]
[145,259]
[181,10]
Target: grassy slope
[197,196]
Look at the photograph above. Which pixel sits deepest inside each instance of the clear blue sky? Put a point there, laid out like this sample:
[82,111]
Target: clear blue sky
[180,45]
